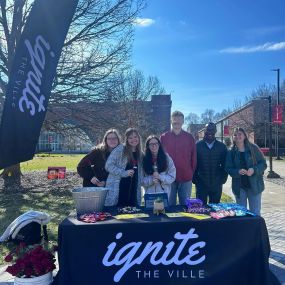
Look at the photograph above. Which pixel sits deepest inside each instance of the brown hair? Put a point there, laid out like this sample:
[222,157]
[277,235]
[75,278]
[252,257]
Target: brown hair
[248,144]
[246,141]
[177,114]
[127,148]
[104,145]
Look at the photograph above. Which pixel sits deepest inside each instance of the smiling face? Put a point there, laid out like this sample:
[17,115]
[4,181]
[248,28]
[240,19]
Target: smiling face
[153,146]
[176,123]
[112,140]
[133,140]
[239,137]
[210,133]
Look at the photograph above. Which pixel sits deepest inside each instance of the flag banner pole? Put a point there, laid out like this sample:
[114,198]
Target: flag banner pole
[31,77]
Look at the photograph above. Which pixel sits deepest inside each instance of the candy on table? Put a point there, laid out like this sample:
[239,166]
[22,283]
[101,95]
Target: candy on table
[193,203]
[198,210]
[128,210]
[94,217]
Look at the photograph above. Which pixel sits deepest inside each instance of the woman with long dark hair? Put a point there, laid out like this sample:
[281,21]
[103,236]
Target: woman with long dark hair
[92,166]
[246,164]
[158,168]
[124,167]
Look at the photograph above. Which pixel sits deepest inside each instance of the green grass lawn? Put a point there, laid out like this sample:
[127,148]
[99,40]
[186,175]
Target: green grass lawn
[57,203]
[43,161]
[50,197]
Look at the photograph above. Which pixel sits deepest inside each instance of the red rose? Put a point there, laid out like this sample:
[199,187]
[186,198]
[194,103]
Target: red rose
[12,270]
[30,261]
[39,269]
[28,272]
[9,257]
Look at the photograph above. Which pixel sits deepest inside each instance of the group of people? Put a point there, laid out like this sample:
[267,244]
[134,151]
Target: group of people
[172,163]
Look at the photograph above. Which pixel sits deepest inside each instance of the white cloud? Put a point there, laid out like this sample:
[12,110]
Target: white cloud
[260,48]
[143,22]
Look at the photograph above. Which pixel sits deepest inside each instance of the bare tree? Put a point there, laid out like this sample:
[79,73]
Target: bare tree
[98,45]
[133,86]
[222,114]
[125,104]
[238,103]
[261,91]
[192,118]
[207,116]
[129,91]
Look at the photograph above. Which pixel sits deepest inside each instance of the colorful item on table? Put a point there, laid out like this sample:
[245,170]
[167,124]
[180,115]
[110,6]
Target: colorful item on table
[198,210]
[222,214]
[223,210]
[240,213]
[226,206]
[131,216]
[129,210]
[94,217]
[193,203]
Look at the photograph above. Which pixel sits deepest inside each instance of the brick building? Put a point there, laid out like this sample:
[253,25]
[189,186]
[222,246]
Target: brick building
[84,124]
[254,118]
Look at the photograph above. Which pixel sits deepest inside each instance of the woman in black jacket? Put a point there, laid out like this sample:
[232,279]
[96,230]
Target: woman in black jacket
[92,167]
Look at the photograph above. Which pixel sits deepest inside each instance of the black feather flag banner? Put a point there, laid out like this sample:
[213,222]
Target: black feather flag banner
[31,77]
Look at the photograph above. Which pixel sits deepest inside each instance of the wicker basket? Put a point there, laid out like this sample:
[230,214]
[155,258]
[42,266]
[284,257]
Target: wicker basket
[89,199]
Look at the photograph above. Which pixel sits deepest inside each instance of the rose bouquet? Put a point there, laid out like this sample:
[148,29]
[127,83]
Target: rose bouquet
[30,261]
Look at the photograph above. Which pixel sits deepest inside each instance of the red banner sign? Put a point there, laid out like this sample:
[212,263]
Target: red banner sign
[226,130]
[277,114]
[55,172]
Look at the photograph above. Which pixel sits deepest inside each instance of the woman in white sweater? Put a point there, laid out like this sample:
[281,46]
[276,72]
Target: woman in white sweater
[158,168]
[124,167]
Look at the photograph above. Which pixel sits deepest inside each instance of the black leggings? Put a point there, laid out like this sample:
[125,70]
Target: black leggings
[209,194]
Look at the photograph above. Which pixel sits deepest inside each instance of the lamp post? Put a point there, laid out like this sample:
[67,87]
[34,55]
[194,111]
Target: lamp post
[271,173]
[278,100]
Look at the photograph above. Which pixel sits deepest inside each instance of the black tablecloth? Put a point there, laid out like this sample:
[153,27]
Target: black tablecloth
[230,251]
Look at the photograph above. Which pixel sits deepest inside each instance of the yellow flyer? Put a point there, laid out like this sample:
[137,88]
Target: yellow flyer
[196,216]
[174,215]
[131,216]
[189,215]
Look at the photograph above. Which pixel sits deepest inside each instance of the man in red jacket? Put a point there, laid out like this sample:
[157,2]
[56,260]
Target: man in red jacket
[181,146]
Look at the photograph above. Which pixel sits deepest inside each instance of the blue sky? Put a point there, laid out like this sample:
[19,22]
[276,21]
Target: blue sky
[210,53]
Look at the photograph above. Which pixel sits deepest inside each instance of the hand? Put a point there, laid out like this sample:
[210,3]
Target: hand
[101,183]
[94,180]
[242,171]
[250,172]
[131,172]
[155,181]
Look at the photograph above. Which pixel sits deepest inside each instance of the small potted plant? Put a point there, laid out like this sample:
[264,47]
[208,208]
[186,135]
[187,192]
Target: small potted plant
[158,206]
[31,264]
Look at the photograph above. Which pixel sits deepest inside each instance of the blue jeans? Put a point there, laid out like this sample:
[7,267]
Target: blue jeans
[183,189]
[254,201]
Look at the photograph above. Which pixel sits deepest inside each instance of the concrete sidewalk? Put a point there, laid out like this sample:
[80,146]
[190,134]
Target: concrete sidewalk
[273,211]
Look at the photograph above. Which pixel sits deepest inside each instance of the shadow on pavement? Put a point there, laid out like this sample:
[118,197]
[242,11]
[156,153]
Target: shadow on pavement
[278,256]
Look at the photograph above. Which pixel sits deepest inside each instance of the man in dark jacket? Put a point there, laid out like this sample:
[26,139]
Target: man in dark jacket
[210,174]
